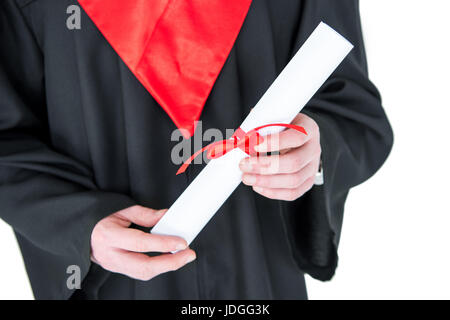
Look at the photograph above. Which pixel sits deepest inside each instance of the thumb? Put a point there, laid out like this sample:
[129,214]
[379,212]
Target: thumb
[141,216]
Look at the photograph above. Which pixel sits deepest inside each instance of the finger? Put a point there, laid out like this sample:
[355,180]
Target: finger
[141,216]
[142,267]
[284,181]
[308,124]
[139,241]
[290,138]
[286,139]
[290,162]
[286,194]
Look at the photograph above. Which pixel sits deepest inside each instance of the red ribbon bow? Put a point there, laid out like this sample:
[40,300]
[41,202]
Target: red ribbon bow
[240,139]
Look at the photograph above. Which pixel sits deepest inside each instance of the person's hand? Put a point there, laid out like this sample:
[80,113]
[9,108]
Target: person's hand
[118,248]
[290,174]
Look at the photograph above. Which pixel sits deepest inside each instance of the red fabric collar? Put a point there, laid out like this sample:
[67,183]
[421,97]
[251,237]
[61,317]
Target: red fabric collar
[175,48]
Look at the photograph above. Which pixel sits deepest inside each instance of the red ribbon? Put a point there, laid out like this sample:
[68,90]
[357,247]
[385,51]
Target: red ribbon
[240,139]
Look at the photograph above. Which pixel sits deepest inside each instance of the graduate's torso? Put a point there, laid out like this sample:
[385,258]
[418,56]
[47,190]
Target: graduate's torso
[101,115]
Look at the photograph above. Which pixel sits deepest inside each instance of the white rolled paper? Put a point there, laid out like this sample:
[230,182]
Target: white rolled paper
[308,70]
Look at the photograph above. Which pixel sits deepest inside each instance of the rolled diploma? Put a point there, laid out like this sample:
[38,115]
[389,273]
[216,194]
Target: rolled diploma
[308,70]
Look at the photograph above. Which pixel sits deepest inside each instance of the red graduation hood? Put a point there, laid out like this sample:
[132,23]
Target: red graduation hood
[176,48]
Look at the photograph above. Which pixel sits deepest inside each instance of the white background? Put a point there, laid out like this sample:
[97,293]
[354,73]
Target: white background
[396,237]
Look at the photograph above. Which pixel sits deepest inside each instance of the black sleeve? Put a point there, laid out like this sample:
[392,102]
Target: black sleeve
[50,200]
[356,139]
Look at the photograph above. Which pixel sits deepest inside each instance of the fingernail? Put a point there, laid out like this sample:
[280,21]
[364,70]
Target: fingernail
[161,212]
[248,179]
[191,258]
[245,166]
[181,246]
[258,189]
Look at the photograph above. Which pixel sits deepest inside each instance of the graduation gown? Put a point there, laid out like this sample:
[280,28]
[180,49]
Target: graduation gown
[81,138]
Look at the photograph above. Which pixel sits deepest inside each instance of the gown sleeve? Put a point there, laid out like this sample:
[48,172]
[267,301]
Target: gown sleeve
[49,199]
[356,139]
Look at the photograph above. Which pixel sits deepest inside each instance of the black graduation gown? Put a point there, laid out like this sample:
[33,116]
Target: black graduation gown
[80,138]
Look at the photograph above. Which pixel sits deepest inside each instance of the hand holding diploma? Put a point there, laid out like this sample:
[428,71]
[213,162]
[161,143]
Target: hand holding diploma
[290,174]
[118,248]
[307,71]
